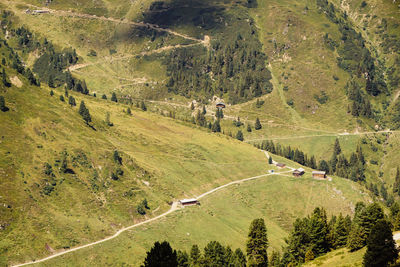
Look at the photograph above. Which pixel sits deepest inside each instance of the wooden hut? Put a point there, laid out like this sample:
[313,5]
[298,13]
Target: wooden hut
[298,172]
[189,202]
[319,174]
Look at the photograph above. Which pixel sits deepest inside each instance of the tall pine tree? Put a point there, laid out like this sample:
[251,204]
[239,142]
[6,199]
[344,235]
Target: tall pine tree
[257,244]
[381,248]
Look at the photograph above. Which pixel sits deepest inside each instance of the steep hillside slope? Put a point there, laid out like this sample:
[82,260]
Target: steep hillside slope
[62,185]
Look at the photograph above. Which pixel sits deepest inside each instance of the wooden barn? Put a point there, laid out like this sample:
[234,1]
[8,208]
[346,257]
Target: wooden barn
[298,172]
[319,174]
[189,202]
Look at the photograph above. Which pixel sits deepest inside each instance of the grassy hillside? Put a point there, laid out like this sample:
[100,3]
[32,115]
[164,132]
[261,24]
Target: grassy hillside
[161,160]
[340,257]
[225,216]
[284,62]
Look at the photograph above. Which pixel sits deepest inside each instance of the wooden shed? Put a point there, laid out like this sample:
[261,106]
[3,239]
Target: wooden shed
[298,172]
[319,174]
[189,202]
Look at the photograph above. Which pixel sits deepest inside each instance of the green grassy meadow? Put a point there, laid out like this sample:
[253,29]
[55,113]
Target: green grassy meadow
[225,216]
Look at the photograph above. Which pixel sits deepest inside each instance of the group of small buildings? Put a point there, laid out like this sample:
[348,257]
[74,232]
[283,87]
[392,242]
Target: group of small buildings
[300,172]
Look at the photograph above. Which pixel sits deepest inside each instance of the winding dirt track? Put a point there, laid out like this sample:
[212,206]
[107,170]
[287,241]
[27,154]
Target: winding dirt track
[122,21]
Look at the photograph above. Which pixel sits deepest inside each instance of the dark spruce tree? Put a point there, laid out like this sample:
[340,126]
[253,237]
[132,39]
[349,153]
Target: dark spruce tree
[116,157]
[3,106]
[114,97]
[51,92]
[84,112]
[128,111]
[381,248]
[161,255]
[62,98]
[336,147]
[50,81]
[214,255]
[103,96]
[239,136]
[216,128]
[71,101]
[195,255]
[257,244]
[257,125]
[5,79]
[248,128]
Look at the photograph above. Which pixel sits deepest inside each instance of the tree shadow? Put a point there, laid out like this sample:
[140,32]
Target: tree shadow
[196,13]
[5,109]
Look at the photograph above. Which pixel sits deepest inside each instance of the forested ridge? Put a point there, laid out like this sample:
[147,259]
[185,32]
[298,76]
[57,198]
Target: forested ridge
[234,66]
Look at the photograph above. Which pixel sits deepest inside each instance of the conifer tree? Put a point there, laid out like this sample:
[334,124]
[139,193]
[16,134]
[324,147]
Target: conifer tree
[214,254]
[103,96]
[257,125]
[117,158]
[84,112]
[195,255]
[182,259]
[381,248]
[270,160]
[248,128]
[239,259]
[114,97]
[50,81]
[360,155]
[239,135]
[71,101]
[257,244]
[323,166]
[355,239]
[192,106]
[216,128]
[340,232]
[161,255]
[319,231]
[128,111]
[51,93]
[2,103]
[204,110]
[85,89]
[336,147]
[62,98]
[5,80]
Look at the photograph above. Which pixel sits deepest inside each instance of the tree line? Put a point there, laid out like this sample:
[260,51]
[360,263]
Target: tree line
[311,237]
[352,168]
